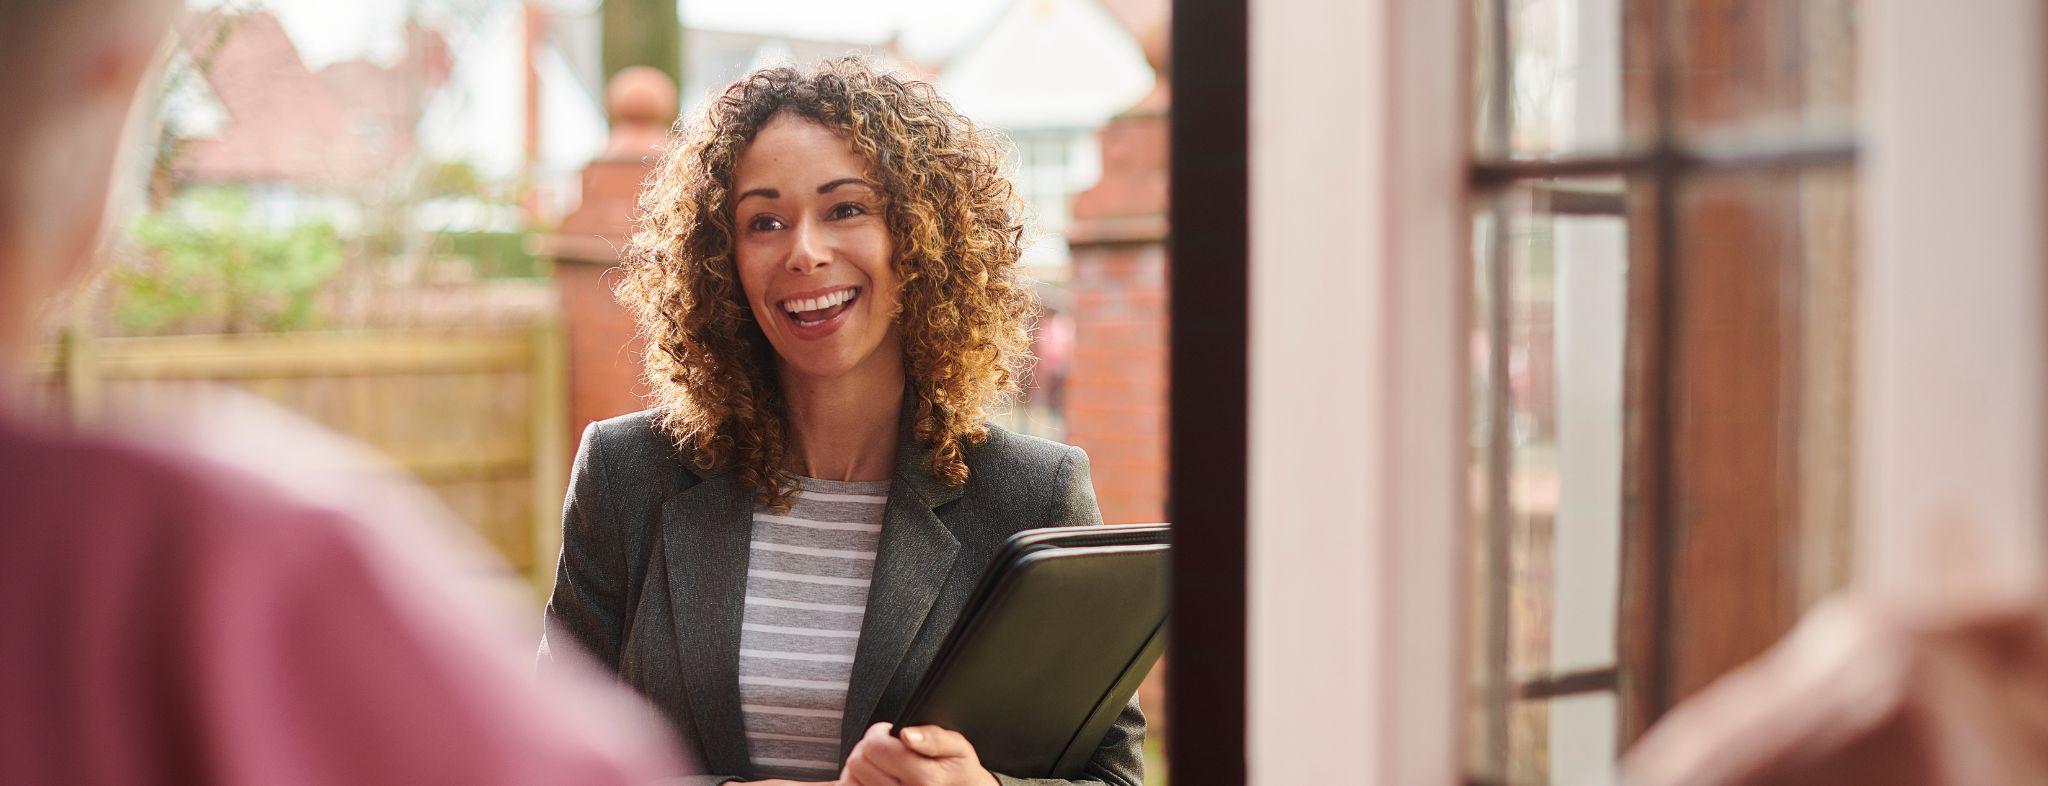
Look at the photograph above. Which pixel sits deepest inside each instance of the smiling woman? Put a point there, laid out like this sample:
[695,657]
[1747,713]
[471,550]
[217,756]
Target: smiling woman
[826,273]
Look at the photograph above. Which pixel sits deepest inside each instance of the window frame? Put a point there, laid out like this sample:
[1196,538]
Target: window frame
[1919,167]
[1665,162]
[1207,409]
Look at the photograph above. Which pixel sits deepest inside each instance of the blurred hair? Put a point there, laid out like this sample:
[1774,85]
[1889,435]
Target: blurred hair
[957,227]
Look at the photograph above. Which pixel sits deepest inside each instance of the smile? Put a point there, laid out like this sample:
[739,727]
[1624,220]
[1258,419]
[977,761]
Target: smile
[813,310]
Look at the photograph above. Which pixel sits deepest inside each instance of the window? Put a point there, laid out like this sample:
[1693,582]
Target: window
[1046,178]
[1661,224]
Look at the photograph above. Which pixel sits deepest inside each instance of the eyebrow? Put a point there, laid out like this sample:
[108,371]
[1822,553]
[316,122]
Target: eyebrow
[824,189]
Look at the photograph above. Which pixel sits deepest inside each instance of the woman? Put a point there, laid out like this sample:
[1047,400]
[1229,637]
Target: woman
[826,275]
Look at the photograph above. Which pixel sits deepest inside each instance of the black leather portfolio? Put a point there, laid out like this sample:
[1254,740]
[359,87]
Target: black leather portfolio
[1053,643]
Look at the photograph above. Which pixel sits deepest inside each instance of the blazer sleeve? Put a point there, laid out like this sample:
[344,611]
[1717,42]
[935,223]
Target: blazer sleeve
[588,603]
[1120,759]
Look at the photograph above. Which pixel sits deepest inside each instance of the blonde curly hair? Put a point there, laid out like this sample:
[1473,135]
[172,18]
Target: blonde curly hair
[957,226]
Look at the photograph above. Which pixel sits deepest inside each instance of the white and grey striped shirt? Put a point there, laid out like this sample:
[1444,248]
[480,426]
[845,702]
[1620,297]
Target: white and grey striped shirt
[807,591]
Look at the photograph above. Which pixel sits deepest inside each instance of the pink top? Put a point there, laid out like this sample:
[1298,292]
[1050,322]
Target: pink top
[168,619]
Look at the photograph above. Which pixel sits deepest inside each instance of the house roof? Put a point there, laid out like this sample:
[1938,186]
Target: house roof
[1143,18]
[714,58]
[284,122]
[1048,64]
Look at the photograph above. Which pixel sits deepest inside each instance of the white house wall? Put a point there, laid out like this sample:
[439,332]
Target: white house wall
[1048,64]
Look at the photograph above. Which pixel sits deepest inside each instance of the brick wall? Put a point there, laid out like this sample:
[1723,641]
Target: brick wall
[1116,390]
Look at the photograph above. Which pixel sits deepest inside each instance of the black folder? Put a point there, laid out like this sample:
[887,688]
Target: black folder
[1065,624]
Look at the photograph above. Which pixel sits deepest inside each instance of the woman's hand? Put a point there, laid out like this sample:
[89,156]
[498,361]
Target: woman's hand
[924,756]
[781,782]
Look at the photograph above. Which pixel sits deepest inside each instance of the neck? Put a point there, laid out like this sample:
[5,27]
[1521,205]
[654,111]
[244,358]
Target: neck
[844,428]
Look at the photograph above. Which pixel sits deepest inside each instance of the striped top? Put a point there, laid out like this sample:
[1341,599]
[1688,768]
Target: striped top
[807,589]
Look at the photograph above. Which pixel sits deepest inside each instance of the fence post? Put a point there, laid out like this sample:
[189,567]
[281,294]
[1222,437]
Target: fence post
[549,423]
[78,375]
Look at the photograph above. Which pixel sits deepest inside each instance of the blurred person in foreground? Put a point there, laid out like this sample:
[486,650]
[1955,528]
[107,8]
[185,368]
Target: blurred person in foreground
[1937,688]
[826,271]
[201,613]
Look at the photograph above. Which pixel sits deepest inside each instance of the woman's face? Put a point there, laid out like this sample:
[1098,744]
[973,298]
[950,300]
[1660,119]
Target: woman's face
[814,251]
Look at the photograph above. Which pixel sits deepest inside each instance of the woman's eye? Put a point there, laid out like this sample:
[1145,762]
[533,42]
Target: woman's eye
[764,223]
[847,210]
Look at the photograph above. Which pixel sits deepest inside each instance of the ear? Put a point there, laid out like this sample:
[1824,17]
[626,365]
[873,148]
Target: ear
[77,146]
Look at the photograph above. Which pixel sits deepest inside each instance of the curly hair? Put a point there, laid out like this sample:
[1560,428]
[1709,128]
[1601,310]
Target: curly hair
[957,226]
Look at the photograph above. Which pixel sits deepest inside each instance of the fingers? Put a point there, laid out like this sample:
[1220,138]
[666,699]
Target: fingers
[937,742]
[861,770]
[881,760]
[922,755]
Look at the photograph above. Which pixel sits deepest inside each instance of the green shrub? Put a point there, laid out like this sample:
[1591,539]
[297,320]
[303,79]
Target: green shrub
[210,260]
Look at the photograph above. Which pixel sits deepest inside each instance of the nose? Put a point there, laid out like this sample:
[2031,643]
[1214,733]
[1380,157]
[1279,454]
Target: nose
[807,251]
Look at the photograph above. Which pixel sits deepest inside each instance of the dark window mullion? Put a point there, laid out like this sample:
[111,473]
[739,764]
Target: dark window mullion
[1673,159]
[1559,201]
[1571,683]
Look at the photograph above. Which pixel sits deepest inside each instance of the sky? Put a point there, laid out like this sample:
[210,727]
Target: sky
[326,31]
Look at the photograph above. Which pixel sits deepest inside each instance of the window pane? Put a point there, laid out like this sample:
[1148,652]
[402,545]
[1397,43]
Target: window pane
[1562,741]
[1486,737]
[1548,454]
[1758,511]
[1528,744]
[1581,743]
[1827,350]
[1765,70]
[1567,323]
[1562,77]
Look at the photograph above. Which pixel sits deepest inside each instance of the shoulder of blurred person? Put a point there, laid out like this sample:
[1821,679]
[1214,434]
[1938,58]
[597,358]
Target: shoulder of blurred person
[228,594]
[1942,689]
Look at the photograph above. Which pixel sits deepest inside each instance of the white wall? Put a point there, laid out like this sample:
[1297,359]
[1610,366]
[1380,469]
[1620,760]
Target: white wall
[1356,396]
[1951,464]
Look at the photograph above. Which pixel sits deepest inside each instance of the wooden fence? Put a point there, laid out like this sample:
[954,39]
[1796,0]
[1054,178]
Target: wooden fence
[479,417]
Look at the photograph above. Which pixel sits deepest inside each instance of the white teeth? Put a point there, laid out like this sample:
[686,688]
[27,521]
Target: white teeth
[814,303]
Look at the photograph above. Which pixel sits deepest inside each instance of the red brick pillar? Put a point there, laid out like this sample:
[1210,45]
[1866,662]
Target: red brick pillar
[604,358]
[1116,389]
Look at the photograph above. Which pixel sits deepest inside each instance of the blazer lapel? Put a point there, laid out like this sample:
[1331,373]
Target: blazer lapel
[706,529]
[916,557]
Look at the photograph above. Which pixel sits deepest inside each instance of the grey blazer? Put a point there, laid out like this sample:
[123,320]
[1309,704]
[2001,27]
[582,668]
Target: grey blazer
[653,572]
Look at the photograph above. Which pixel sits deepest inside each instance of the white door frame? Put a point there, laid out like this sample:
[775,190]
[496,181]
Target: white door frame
[1357,391]
[1951,467]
